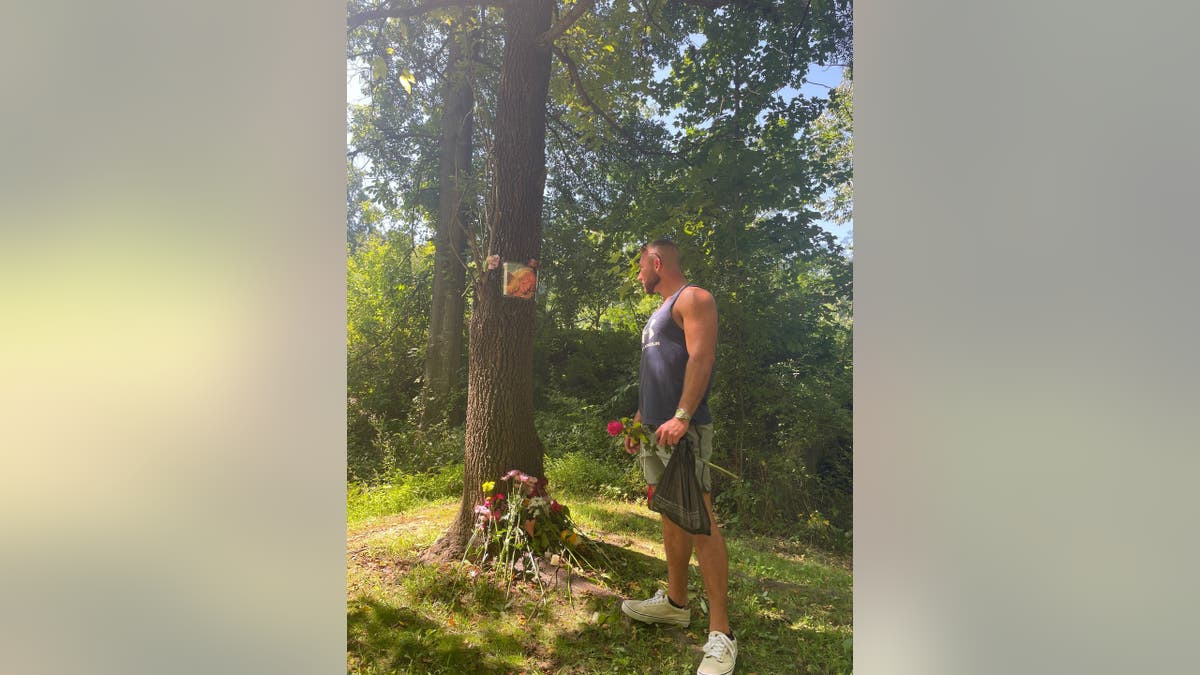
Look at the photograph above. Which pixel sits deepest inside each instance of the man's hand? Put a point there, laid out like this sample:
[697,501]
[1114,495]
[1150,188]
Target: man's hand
[671,431]
[631,446]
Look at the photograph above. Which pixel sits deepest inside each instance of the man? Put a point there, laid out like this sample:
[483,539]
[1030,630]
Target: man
[678,351]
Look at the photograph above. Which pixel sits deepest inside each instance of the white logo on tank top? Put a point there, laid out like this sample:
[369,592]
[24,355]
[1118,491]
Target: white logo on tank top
[647,336]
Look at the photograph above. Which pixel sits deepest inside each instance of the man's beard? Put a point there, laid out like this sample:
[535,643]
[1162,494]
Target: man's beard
[651,284]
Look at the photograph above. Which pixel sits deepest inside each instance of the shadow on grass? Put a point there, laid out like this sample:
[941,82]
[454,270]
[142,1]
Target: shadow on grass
[632,573]
[386,638]
[617,522]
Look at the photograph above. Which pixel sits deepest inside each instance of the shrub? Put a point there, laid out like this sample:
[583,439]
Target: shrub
[400,448]
[401,492]
[579,474]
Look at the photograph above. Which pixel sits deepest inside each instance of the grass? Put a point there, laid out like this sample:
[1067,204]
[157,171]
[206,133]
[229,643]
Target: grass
[790,605]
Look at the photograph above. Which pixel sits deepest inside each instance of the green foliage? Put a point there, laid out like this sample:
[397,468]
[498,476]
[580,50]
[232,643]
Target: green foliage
[581,458]
[401,491]
[579,474]
[388,286]
[832,136]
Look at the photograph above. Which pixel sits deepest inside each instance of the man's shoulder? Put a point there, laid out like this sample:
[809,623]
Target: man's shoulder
[695,295]
[695,302]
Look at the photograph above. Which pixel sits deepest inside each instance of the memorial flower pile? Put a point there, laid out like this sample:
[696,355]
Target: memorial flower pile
[519,531]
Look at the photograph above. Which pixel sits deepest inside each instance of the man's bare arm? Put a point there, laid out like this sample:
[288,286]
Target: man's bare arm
[699,315]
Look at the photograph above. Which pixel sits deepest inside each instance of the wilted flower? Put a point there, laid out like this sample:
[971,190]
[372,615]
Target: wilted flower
[615,427]
[519,476]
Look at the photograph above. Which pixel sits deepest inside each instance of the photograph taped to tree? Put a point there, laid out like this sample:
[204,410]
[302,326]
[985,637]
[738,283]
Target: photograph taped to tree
[520,281]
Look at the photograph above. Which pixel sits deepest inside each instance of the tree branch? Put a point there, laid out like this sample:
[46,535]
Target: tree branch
[565,22]
[359,19]
[707,4]
[573,71]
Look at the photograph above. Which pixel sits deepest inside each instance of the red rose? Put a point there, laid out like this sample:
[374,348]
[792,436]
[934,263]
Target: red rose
[615,427]
[555,506]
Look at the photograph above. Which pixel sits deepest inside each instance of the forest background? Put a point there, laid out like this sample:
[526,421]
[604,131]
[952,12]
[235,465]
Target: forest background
[691,120]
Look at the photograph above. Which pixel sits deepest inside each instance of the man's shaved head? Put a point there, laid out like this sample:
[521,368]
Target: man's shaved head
[659,260]
[666,250]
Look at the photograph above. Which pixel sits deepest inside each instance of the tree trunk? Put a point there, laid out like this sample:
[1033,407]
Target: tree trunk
[499,428]
[443,355]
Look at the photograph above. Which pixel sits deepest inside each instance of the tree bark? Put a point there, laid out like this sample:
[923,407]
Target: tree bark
[443,354]
[499,427]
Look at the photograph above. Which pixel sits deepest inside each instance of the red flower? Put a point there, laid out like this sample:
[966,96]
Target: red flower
[555,506]
[499,496]
[615,427]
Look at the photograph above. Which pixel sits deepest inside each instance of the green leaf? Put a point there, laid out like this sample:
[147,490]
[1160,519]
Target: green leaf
[378,68]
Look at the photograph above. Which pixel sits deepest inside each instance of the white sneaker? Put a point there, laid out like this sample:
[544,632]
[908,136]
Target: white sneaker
[720,653]
[657,610]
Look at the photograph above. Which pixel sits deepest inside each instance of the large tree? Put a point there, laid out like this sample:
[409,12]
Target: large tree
[443,355]
[499,422]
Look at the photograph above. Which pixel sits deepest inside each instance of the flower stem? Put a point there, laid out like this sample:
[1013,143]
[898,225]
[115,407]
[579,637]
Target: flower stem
[721,469]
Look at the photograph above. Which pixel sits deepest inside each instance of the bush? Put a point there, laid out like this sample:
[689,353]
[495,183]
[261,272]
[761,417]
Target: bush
[401,492]
[579,474]
[398,447]
[780,496]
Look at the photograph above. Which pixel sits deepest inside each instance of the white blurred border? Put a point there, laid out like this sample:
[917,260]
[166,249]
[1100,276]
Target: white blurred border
[172,341]
[1025,330]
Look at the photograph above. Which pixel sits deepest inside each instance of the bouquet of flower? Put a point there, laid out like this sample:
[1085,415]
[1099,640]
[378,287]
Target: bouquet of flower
[515,531]
[630,428]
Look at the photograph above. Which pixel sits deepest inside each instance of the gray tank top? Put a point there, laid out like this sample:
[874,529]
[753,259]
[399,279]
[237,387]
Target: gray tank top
[664,360]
